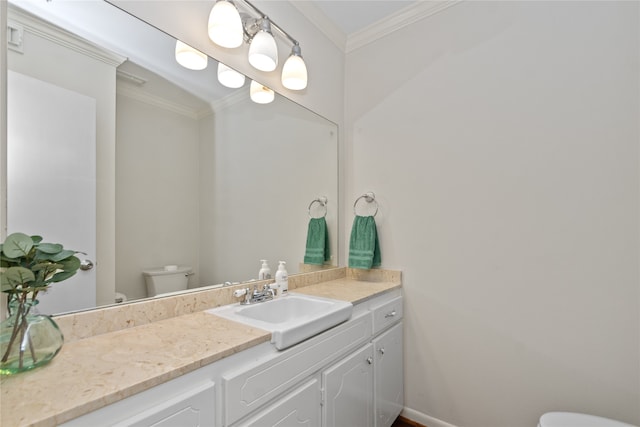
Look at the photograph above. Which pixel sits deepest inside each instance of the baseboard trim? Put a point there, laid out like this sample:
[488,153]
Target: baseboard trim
[423,419]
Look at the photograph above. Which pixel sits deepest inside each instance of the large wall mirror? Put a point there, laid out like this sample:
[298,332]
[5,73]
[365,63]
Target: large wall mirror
[169,166]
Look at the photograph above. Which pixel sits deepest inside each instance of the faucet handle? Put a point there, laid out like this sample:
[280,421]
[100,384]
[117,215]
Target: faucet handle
[268,289]
[240,292]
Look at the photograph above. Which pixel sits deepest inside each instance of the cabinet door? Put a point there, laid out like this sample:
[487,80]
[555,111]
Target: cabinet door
[300,408]
[186,401]
[191,409]
[348,391]
[389,376]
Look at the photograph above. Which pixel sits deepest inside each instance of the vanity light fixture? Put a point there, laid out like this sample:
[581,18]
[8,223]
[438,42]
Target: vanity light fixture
[225,25]
[263,52]
[260,94]
[257,32]
[294,70]
[189,57]
[229,77]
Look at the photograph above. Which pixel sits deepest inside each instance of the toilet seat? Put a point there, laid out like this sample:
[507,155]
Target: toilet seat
[573,419]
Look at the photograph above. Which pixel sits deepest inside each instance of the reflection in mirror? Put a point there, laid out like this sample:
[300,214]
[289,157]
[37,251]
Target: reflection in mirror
[171,167]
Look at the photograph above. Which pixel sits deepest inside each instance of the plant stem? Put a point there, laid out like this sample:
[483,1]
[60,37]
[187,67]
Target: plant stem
[14,333]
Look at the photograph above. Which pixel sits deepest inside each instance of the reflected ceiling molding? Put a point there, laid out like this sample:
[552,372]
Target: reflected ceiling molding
[52,33]
[131,78]
[235,98]
[137,93]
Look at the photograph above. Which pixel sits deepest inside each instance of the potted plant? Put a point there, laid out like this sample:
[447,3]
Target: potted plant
[29,266]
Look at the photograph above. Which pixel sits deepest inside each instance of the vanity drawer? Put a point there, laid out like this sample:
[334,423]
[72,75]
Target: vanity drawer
[246,390]
[387,314]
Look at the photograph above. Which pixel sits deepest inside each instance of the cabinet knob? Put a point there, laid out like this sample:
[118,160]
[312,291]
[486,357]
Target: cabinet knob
[381,350]
[392,314]
[370,360]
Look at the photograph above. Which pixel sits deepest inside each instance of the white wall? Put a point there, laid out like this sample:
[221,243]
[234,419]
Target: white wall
[277,173]
[502,141]
[157,192]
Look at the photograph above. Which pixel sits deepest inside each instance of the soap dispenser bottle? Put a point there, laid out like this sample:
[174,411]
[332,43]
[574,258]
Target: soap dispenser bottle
[265,271]
[282,279]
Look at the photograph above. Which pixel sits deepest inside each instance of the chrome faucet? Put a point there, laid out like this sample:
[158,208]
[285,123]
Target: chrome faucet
[251,297]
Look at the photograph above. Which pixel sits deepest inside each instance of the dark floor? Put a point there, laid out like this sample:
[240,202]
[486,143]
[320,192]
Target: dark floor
[403,422]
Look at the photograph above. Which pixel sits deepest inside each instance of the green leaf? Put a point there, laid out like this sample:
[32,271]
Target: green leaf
[17,276]
[17,245]
[62,255]
[46,266]
[63,275]
[70,264]
[50,248]
[36,239]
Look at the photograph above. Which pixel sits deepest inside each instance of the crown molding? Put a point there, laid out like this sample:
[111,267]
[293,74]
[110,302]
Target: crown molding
[52,33]
[140,95]
[236,97]
[315,15]
[348,43]
[407,16]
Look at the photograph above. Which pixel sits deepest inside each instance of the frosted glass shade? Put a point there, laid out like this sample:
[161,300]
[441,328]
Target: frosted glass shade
[260,94]
[225,25]
[189,57]
[263,52]
[294,73]
[229,77]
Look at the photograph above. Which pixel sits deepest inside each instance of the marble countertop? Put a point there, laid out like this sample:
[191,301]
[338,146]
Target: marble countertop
[94,372]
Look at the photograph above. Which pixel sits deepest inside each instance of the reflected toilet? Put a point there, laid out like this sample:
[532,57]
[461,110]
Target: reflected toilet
[167,279]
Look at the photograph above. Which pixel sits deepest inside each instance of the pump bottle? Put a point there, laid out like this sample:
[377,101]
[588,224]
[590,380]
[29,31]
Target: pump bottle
[265,271]
[282,279]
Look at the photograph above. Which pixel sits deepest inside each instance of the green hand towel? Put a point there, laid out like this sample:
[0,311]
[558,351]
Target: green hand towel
[317,242]
[364,249]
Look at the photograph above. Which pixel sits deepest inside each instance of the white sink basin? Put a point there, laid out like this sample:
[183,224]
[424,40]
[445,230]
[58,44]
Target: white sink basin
[290,319]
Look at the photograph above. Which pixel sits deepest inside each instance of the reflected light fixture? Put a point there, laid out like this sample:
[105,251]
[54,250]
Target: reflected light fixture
[260,94]
[225,26]
[189,57]
[226,23]
[294,71]
[263,52]
[229,77]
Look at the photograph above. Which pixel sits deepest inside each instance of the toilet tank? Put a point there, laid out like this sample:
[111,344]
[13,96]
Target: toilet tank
[166,279]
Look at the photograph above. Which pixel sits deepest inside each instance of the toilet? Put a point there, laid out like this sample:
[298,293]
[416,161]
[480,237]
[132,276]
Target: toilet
[167,279]
[573,419]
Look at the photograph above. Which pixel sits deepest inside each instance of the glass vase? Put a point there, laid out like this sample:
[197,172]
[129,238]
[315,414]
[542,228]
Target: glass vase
[27,339]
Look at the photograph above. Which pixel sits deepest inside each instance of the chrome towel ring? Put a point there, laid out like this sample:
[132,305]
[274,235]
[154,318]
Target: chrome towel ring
[322,201]
[369,197]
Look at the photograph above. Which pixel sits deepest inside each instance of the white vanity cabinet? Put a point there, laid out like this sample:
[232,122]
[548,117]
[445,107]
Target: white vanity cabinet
[349,375]
[348,390]
[187,401]
[388,376]
[367,388]
[298,408]
[356,369]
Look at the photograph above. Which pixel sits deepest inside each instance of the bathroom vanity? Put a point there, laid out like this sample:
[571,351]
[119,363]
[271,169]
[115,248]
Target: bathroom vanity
[350,374]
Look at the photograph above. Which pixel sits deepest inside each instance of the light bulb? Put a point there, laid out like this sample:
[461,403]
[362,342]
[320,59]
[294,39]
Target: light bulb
[294,71]
[263,52]
[225,25]
[229,77]
[189,57]
[260,94]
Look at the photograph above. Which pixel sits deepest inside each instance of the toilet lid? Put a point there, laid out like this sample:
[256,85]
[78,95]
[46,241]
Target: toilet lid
[572,419]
